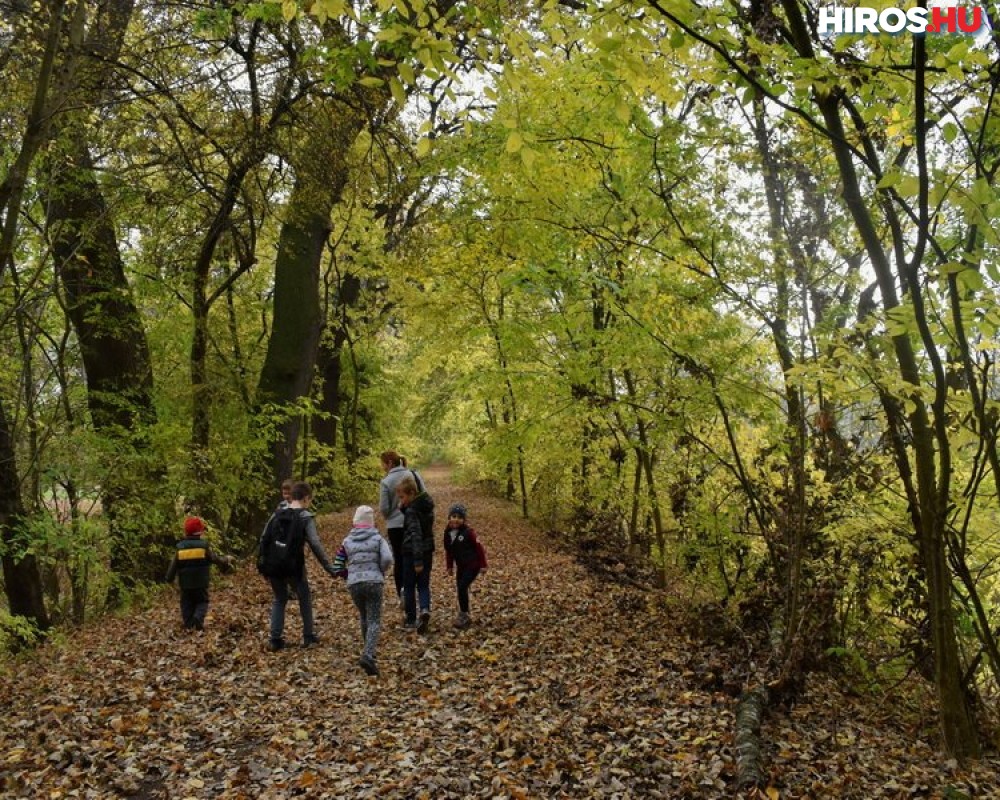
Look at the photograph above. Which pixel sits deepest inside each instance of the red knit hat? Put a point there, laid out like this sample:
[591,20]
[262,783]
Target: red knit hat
[193,525]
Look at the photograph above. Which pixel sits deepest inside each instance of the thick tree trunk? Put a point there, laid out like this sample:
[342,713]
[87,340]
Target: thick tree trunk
[22,578]
[113,347]
[98,298]
[345,296]
[292,349]
[330,370]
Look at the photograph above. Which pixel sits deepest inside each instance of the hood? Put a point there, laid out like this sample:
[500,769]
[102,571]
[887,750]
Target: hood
[422,504]
[362,534]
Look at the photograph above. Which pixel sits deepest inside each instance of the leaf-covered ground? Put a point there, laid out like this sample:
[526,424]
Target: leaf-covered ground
[565,686]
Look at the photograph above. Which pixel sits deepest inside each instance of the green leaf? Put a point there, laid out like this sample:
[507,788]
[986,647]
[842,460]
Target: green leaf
[890,179]
[407,73]
[971,280]
[623,111]
[398,92]
[424,147]
[908,185]
[514,142]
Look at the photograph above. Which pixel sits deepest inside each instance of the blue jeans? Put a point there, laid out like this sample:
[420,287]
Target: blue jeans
[280,587]
[415,585]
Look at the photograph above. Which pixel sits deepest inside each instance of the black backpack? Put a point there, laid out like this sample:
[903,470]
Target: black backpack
[282,547]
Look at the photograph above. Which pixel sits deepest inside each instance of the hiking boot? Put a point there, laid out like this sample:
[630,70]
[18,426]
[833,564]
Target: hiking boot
[463,620]
[425,620]
[276,644]
[310,641]
[368,665]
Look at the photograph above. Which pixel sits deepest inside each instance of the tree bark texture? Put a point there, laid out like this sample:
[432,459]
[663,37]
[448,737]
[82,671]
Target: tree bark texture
[749,752]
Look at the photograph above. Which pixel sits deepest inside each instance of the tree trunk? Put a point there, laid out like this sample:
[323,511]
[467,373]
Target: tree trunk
[22,578]
[345,296]
[298,322]
[113,347]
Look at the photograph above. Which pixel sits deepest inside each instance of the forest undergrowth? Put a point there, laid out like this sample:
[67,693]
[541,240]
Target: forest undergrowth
[567,685]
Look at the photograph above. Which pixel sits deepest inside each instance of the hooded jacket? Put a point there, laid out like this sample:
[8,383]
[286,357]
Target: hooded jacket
[364,557]
[418,527]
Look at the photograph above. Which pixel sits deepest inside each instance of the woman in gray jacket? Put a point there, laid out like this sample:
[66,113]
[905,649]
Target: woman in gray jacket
[394,466]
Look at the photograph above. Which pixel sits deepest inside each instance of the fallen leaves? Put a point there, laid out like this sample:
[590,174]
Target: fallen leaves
[566,686]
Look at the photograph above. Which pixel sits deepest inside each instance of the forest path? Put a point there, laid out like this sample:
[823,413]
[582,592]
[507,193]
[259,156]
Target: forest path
[563,687]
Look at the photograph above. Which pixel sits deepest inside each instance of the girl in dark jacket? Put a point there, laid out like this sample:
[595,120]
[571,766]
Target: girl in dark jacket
[417,551]
[465,556]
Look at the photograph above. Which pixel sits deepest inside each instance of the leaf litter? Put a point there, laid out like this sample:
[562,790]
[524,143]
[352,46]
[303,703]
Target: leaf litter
[565,686]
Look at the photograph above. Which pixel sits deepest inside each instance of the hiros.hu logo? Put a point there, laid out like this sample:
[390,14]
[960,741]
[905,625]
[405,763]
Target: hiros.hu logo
[964,20]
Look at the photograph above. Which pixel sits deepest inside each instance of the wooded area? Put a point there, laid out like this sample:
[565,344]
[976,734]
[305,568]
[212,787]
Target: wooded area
[690,282]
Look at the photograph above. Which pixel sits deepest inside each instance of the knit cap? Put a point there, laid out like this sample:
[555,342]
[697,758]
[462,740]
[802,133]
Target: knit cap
[364,517]
[193,525]
[457,510]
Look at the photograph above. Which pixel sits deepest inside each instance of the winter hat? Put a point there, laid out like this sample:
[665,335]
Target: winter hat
[193,525]
[364,517]
[457,510]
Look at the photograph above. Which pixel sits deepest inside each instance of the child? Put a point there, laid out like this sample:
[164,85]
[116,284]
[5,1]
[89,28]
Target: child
[417,550]
[192,565]
[465,554]
[286,493]
[302,531]
[363,559]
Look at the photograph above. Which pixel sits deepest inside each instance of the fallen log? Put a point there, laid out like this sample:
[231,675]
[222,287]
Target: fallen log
[749,751]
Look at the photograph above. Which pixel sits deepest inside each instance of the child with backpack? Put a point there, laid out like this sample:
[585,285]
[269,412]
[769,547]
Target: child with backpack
[192,564]
[363,559]
[465,556]
[281,559]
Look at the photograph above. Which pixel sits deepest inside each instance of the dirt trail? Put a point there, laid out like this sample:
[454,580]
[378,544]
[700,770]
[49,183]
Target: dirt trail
[563,687]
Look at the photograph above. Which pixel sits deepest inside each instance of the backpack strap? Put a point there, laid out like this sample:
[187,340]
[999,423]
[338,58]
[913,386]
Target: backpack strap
[420,483]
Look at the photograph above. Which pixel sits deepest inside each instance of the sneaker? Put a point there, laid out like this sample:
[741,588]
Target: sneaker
[310,641]
[276,644]
[425,620]
[368,665]
[410,625]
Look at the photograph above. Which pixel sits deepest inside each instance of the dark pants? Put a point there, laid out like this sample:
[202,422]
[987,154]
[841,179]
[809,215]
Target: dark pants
[396,543]
[194,607]
[415,586]
[463,580]
[280,587]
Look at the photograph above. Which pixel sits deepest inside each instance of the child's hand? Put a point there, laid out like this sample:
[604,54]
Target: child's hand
[418,568]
